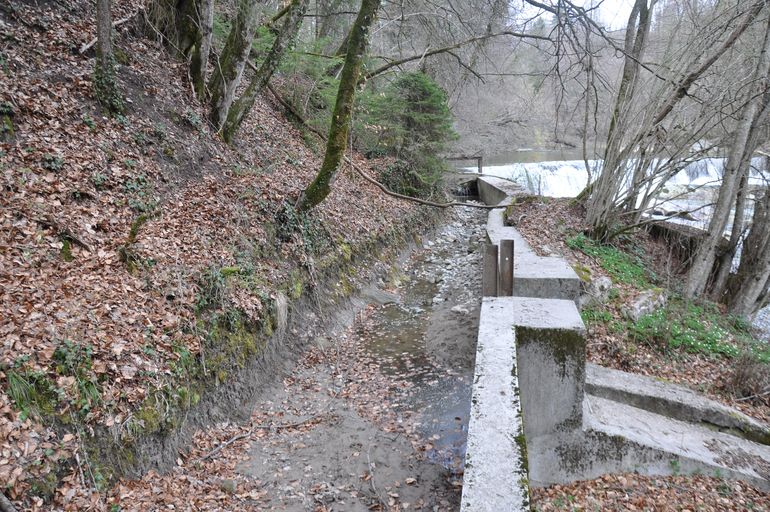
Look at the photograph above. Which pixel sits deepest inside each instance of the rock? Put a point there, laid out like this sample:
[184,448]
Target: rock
[647,302]
[228,486]
[596,291]
[460,310]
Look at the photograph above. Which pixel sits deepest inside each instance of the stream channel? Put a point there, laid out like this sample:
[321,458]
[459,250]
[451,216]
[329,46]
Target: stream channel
[389,398]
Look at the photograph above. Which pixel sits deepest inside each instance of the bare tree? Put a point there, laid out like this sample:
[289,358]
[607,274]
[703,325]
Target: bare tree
[228,70]
[650,125]
[743,146]
[284,38]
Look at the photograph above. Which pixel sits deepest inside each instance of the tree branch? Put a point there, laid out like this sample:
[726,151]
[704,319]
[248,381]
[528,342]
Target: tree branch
[446,49]
[363,174]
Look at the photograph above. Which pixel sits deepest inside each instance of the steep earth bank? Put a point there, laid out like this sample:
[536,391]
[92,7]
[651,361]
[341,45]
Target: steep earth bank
[373,416]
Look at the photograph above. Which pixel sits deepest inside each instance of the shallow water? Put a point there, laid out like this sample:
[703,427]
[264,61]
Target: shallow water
[422,340]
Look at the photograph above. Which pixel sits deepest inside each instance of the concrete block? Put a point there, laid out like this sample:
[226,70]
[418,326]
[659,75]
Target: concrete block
[494,191]
[534,276]
[550,347]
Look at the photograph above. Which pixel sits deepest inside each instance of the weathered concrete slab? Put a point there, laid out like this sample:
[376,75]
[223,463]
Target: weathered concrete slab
[550,347]
[673,401]
[495,466]
[534,276]
[619,438]
[694,447]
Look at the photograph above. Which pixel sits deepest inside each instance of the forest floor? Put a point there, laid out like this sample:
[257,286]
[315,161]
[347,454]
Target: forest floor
[691,344]
[128,241]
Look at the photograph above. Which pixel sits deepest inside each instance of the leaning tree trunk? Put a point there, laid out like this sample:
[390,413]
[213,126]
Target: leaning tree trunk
[339,130]
[284,38]
[229,70]
[744,143]
[750,283]
[105,83]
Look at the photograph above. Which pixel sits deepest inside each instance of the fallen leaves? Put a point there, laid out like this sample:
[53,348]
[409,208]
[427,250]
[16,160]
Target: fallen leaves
[74,183]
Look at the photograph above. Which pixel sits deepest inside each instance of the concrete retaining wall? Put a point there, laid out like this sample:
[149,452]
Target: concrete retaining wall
[532,422]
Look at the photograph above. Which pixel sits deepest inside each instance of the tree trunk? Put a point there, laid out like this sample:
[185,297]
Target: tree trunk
[105,84]
[725,263]
[738,159]
[229,70]
[199,54]
[750,283]
[284,38]
[602,200]
[339,130]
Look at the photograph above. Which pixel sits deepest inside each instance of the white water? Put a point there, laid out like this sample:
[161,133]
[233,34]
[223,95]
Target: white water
[566,178]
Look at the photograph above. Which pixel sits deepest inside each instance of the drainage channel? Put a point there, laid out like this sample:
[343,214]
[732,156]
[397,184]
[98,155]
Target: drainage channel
[427,336]
[381,411]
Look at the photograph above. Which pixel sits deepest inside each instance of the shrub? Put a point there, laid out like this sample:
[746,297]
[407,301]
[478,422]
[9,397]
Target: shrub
[749,377]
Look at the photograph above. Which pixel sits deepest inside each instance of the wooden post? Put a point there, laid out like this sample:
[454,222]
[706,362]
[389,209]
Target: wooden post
[489,276]
[506,268]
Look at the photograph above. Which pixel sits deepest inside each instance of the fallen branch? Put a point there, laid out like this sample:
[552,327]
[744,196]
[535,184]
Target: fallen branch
[92,42]
[248,433]
[758,395]
[5,504]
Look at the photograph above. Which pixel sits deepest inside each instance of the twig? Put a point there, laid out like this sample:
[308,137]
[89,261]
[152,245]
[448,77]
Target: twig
[225,445]
[5,504]
[371,479]
[89,44]
[758,395]
[80,470]
[244,435]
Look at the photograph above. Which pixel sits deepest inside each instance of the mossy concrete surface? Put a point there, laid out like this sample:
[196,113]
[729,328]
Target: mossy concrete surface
[568,434]
[496,476]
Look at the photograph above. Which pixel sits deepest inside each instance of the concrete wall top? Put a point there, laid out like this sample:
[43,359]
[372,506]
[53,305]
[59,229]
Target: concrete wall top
[533,275]
[496,478]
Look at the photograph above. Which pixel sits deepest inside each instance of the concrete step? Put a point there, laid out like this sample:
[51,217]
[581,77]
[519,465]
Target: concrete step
[673,401]
[682,447]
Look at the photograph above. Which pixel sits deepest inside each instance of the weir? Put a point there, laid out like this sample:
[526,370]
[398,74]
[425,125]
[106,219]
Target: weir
[535,421]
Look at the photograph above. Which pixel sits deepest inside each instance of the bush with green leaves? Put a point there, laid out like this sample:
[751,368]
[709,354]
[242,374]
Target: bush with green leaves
[409,119]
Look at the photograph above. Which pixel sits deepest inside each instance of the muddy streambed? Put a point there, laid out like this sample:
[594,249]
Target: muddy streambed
[375,418]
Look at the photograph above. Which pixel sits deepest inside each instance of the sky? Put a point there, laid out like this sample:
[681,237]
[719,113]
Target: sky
[613,13]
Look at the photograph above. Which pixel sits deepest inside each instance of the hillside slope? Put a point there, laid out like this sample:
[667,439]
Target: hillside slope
[142,261]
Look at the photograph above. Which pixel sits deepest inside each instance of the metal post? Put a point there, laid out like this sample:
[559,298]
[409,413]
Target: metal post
[506,268]
[489,275]
[480,159]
